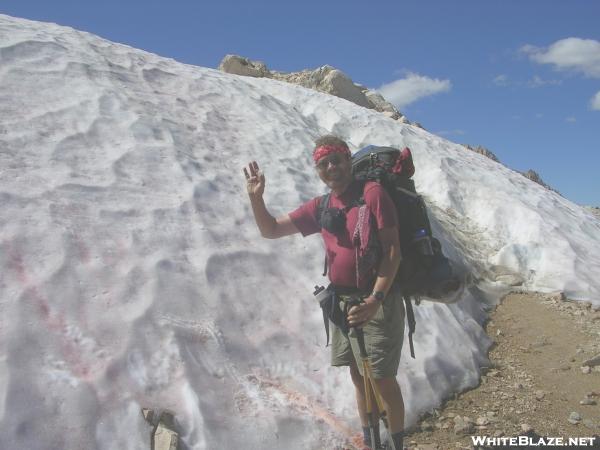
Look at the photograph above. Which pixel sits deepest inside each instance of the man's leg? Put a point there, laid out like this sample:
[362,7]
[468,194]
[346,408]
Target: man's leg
[361,400]
[392,401]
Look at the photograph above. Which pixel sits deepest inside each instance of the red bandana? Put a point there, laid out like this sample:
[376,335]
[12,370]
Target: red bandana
[326,150]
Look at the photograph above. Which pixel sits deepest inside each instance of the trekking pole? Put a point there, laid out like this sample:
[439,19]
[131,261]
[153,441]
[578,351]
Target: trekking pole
[371,388]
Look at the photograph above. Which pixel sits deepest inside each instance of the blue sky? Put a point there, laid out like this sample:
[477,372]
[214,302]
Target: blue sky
[520,77]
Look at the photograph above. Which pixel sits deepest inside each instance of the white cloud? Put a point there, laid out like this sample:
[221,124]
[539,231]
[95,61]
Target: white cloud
[571,119]
[413,87]
[538,81]
[581,55]
[501,80]
[595,102]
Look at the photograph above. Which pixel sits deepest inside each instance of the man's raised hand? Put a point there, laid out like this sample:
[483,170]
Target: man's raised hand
[255,179]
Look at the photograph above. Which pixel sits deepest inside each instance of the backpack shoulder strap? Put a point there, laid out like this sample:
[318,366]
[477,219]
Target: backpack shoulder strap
[322,204]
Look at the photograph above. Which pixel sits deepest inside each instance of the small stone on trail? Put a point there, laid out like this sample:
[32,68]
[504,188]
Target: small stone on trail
[526,428]
[587,401]
[463,425]
[482,421]
[574,418]
[586,369]
[539,395]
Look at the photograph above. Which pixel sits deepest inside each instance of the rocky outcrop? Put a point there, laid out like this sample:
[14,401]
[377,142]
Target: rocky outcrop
[482,151]
[326,79]
[330,80]
[530,174]
[594,210]
[243,66]
[535,177]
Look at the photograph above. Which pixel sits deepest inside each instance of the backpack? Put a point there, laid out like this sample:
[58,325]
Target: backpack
[425,272]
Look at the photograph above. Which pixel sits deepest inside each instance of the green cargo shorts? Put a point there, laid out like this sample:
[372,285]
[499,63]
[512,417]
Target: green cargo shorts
[384,335]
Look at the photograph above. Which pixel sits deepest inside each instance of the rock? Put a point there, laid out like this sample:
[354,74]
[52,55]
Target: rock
[148,415]
[324,79]
[482,421]
[482,151]
[587,401]
[592,362]
[539,395]
[505,275]
[339,84]
[382,105]
[165,438]
[574,418]
[594,210]
[239,65]
[526,428]
[535,177]
[463,426]
[511,280]
[586,369]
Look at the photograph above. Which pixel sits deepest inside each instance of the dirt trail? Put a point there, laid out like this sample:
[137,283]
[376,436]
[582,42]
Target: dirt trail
[537,382]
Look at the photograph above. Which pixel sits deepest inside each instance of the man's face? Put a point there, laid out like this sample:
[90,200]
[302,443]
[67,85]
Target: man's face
[335,170]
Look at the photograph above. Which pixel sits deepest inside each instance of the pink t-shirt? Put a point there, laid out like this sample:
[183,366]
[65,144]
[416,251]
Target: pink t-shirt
[341,255]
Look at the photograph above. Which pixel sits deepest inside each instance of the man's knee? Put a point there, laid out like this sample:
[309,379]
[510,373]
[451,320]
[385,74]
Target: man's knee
[387,386]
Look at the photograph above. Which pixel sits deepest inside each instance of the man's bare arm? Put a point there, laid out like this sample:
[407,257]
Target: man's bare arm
[390,261]
[269,226]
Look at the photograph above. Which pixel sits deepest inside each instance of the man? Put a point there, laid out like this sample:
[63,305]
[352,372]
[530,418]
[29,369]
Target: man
[381,315]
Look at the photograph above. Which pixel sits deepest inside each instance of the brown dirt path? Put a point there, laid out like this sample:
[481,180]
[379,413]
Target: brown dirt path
[536,379]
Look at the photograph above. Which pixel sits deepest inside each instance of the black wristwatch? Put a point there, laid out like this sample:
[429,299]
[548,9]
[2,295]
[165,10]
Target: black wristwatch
[379,295]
